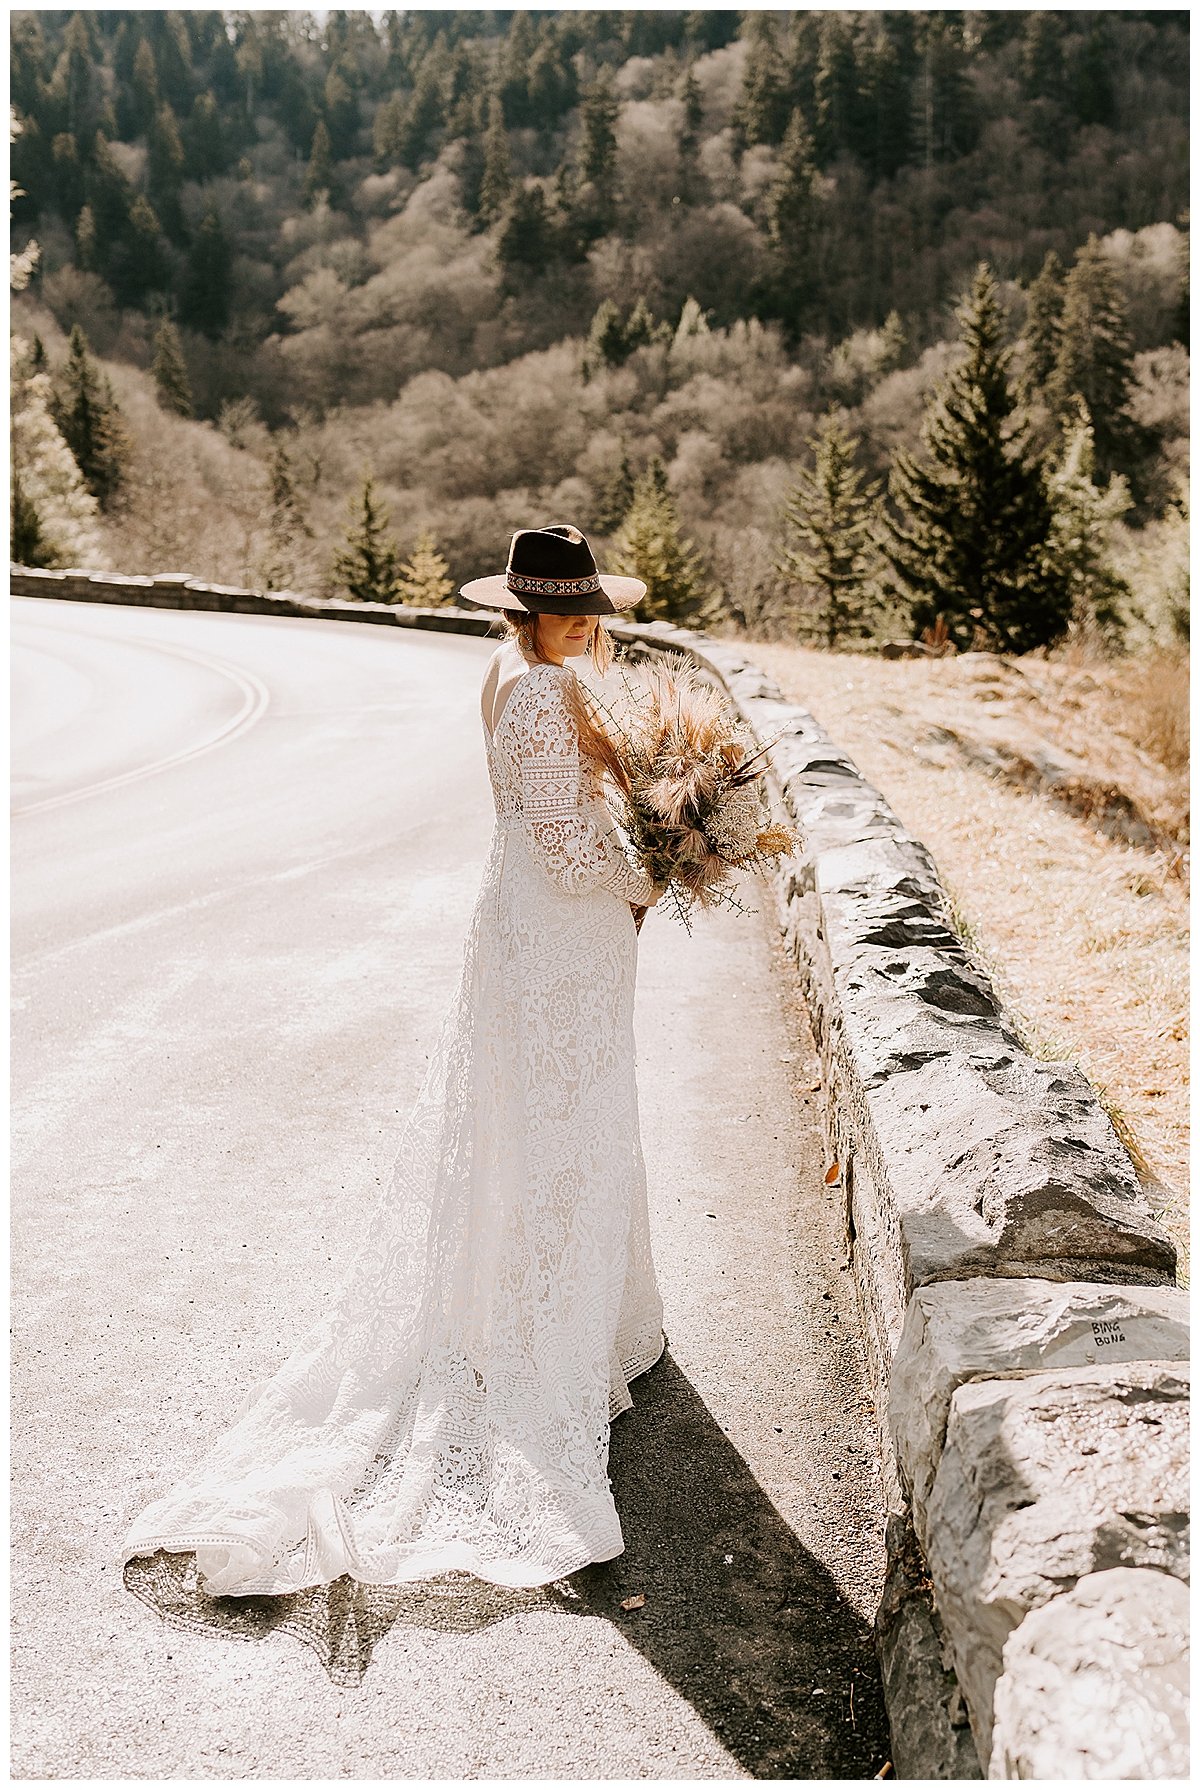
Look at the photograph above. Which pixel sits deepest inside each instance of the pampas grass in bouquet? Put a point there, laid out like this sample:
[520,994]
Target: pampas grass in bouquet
[688,781]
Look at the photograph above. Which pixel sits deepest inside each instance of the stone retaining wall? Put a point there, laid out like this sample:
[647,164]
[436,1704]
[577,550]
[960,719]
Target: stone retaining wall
[1027,1342]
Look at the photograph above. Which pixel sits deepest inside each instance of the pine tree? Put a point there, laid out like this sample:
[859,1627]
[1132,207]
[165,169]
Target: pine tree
[969,542]
[170,370]
[1095,357]
[205,299]
[689,137]
[792,215]
[828,544]
[207,146]
[606,343]
[141,264]
[1092,82]
[616,497]
[367,564]
[945,113]
[838,115]
[87,413]
[650,546]
[27,546]
[526,240]
[165,170]
[55,517]
[1085,515]
[1043,328]
[278,566]
[424,579]
[144,99]
[85,239]
[497,168]
[887,104]
[598,156]
[318,177]
[764,104]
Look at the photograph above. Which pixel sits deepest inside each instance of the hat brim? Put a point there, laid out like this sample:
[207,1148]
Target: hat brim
[493,593]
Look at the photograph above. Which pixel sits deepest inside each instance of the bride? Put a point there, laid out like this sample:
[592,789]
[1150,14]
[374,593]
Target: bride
[452,1408]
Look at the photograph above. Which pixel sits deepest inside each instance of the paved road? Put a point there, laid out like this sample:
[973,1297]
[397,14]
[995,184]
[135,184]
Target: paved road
[245,854]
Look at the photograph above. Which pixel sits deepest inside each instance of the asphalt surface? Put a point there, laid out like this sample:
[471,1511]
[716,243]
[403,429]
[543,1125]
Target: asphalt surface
[245,854]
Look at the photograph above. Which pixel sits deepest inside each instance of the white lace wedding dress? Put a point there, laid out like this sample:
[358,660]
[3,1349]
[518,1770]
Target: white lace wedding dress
[452,1409]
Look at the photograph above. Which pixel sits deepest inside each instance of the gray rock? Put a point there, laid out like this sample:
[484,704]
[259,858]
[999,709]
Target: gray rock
[930,1728]
[958,1330]
[1095,1683]
[1042,1481]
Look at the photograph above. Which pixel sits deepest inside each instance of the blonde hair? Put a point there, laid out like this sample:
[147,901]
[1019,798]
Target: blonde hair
[521,625]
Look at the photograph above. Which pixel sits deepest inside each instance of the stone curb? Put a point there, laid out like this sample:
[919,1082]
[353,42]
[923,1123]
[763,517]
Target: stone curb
[996,1227]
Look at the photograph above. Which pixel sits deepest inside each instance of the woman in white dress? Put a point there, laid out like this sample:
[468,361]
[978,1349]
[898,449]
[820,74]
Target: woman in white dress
[452,1409]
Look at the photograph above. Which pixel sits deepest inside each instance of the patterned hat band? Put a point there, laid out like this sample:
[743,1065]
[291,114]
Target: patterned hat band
[554,587]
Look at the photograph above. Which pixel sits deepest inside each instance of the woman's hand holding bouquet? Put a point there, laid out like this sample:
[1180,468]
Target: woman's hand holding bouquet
[688,780]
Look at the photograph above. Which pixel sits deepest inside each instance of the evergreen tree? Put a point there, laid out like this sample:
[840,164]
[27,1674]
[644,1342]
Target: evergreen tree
[27,544]
[516,56]
[551,85]
[340,112]
[689,136]
[424,115]
[764,104]
[278,566]
[144,98]
[424,579]
[606,344]
[828,543]
[85,239]
[367,564]
[1092,83]
[170,370]
[887,105]
[1043,328]
[319,178]
[497,168]
[1043,80]
[838,112]
[945,112]
[108,194]
[87,414]
[140,263]
[616,497]
[792,217]
[204,301]
[1085,515]
[55,517]
[598,155]
[205,148]
[651,547]
[1095,357]
[970,541]
[526,241]
[69,184]
[165,171]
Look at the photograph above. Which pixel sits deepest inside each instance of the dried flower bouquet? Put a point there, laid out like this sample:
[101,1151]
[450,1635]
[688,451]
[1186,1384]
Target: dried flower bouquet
[688,781]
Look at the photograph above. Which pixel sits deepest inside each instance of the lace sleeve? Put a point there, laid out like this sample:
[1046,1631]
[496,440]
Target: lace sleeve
[573,850]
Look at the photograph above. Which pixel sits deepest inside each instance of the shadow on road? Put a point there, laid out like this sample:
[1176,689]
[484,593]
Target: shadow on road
[739,1618]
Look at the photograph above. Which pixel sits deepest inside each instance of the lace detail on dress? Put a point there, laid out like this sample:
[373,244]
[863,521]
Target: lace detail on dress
[572,849]
[450,1412]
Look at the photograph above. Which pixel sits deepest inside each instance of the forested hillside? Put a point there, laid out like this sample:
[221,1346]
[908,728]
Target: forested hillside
[746,295]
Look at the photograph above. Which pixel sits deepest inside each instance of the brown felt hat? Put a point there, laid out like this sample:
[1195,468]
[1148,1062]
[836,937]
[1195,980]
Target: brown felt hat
[551,571]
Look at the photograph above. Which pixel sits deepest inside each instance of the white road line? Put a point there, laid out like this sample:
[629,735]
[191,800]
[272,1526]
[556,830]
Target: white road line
[256,698]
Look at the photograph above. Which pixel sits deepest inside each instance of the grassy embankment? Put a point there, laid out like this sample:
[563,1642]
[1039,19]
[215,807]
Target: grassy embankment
[1053,795]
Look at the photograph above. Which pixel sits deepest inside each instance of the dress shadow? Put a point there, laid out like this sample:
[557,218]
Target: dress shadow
[739,1618]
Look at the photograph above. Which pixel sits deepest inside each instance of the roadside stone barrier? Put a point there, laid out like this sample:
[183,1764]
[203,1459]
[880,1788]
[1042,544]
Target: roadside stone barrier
[1026,1339]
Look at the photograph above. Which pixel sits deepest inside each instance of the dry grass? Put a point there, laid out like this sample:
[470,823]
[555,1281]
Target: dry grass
[1086,937]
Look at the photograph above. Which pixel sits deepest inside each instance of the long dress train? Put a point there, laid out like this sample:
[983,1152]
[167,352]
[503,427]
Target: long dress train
[452,1408]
